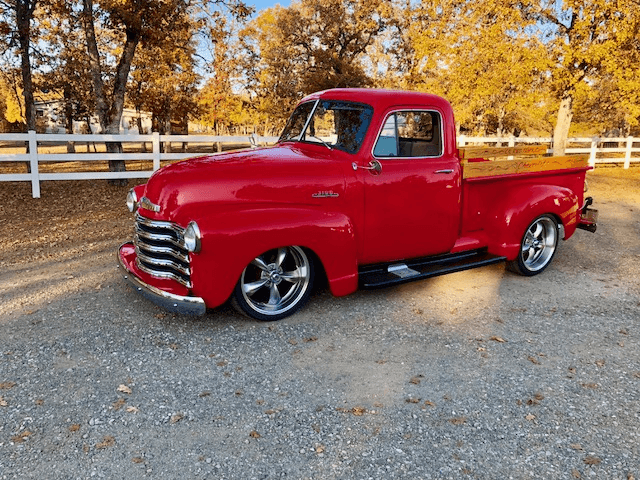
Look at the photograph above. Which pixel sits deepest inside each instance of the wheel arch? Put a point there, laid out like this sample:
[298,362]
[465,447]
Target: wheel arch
[242,235]
[519,207]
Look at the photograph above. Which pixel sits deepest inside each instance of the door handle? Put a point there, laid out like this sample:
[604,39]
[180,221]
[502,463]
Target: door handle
[448,170]
[375,167]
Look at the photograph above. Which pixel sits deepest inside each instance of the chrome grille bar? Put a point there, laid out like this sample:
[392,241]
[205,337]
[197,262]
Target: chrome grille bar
[160,250]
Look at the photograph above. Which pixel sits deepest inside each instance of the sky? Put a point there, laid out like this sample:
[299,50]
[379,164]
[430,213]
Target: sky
[263,4]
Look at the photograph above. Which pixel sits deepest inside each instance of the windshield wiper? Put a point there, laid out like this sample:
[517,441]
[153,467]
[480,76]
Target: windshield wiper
[321,141]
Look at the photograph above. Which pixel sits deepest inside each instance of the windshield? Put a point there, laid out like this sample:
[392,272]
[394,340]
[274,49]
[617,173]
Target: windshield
[335,124]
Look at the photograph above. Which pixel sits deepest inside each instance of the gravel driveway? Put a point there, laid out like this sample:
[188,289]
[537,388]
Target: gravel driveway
[479,374]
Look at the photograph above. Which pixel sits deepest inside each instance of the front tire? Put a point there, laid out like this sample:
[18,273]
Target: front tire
[275,284]
[537,248]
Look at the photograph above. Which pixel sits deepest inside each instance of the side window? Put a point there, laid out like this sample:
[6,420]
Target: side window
[410,134]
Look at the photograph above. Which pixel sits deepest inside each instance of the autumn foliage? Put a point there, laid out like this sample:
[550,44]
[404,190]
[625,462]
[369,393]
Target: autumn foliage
[508,67]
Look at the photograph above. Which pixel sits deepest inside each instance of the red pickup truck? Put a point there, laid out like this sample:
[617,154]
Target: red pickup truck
[364,188]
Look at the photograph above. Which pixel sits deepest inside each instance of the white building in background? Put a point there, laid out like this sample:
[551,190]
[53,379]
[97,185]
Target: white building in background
[50,115]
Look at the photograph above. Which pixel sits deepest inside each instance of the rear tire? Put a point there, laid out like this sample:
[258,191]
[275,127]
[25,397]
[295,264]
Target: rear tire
[537,248]
[275,284]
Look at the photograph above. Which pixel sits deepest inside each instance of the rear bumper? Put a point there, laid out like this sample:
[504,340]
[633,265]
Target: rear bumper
[186,305]
[588,217]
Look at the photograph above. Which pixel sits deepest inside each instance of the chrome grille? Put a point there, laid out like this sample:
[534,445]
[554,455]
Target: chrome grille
[160,250]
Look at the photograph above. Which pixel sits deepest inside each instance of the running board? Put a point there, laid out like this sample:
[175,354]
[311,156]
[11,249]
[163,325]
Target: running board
[386,274]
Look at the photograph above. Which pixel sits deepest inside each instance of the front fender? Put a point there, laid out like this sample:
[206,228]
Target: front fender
[232,239]
[520,206]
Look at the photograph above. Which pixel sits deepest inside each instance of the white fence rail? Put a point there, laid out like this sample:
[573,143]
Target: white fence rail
[600,150]
[37,142]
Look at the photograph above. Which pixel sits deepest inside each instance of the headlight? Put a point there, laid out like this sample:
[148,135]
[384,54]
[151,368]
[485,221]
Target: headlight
[192,237]
[132,200]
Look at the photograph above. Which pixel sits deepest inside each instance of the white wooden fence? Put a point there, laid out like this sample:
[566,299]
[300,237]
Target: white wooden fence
[36,141]
[600,150]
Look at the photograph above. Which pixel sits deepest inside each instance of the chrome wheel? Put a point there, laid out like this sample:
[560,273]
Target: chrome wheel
[275,284]
[537,247]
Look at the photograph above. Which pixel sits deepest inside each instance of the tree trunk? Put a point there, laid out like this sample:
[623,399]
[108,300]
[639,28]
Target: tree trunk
[24,13]
[110,113]
[68,118]
[561,132]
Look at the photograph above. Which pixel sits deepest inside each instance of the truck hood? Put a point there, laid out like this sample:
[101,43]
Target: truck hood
[267,176]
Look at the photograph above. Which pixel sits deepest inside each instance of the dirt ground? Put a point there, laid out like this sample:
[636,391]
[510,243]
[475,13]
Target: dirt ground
[66,240]
[477,374]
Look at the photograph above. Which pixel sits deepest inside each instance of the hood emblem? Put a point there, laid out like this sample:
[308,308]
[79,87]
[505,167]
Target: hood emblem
[149,205]
[325,194]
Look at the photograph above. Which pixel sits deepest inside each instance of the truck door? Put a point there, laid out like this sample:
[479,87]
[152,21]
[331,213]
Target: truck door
[411,190]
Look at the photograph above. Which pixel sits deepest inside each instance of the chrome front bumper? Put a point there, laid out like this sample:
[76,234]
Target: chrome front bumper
[174,303]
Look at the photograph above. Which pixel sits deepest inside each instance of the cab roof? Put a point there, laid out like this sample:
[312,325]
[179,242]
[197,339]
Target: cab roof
[381,99]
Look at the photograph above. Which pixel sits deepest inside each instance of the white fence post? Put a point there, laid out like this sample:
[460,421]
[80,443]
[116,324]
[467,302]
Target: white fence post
[462,141]
[155,142]
[593,151]
[33,161]
[627,153]
[512,143]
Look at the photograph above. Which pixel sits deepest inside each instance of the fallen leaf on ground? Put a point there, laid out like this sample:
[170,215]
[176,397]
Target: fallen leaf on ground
[75,427]
[533,360]
[416,380]
[600,363]
[205,394]
[457,420]
[431,404]
[254,434]
[176,418]
[7,385]
[310,339]
[117,405]
[21,437]
[530,417]
[124,389]
[576,446]
[3,402]
[359,411]
[575,473]
[498,339]
[107,441]
[132,409]
[412,400]
[137,460]
[590,385]
[320,449]
[591,460]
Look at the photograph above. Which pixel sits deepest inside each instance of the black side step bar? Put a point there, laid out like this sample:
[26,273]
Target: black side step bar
[386,274]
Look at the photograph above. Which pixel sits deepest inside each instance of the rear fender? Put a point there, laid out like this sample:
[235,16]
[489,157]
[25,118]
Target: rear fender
[231,240]
[520,206]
